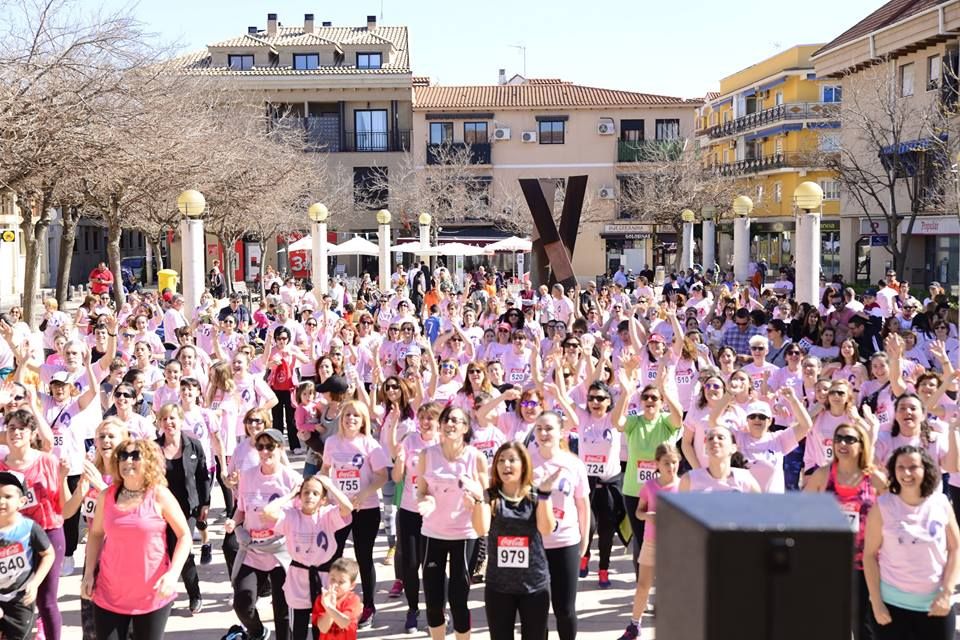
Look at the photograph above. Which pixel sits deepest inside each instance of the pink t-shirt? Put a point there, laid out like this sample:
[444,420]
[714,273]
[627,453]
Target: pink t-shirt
[253,493]
[887,444]
[913,553]
[200,423]
[819,448]
[245,457]
[516,367]
[253,392]
[413,445]
[685,375]
[310,541]
[446,390]
[765,455]
[451,519]
[696,421]
[884,411]
[756,373]
[600,445]
[165,395]
[572,485]
[648,494]
[352,464]
[738,480]
[487,440]
[513,427]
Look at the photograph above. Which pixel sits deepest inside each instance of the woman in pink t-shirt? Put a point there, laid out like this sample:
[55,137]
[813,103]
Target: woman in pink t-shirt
[724,470]
[358,466]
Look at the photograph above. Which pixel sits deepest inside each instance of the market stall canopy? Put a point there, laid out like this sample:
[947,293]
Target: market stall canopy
[511,244]
[460,249]
[355,246]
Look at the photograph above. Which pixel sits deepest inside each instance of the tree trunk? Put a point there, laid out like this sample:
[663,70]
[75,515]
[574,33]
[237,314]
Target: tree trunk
[34,240]
[114,230]
[71,217]
[263,252]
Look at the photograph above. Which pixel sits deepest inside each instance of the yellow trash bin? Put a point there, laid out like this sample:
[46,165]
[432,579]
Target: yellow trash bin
[167,279]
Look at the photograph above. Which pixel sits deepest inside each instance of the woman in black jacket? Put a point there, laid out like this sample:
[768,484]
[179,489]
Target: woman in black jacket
[189,481]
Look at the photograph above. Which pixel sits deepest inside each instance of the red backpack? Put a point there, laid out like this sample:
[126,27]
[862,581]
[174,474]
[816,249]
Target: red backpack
[281,376]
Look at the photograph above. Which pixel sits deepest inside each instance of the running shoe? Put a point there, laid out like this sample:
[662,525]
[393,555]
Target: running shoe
[584,566]
[366,617]
[410,626]
[396,590]
[67,567]
[196,605]
[630,633]
[604,582]
[388,559]
[206,553]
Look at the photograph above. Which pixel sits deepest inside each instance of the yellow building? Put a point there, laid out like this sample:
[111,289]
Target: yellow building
[767,129]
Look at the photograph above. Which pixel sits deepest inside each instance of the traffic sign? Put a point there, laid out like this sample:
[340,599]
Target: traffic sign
[879,240]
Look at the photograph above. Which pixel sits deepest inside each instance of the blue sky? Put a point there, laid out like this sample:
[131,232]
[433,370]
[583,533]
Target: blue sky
[673,48]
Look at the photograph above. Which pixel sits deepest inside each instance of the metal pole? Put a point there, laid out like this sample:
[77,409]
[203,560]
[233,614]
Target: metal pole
[191,233]
[741,248]
[319,257]
[808,257]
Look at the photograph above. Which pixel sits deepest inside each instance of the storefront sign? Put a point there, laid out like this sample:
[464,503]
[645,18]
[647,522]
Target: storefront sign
[627,227]
[870,227]
[932,226]
[879,240]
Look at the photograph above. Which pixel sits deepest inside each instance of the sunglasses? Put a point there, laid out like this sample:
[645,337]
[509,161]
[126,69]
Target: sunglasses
[393,329]
[793,353]
[133,456]
[266,446]
[845,439]
[473,371]
[519,338]
[253,421]
[456,339]
[598,398]
[757,348]
[512,315]
[756,416]
[311,324]
[448,367]
[391,387]
[713,386]
[124,394]
[529,404]
[407,329]
[837,392]
[652,397]
[19,398]
[571,345]
[366,322]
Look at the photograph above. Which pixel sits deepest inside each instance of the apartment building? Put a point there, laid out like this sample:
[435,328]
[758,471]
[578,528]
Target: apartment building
[767,129]
[552,129]
[915,44]
[348,88]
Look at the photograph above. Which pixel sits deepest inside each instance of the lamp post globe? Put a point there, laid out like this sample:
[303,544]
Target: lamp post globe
[687,215]
[742,206]
[318,212]
[191,203]
[808,196]
[425,219]
[384,216]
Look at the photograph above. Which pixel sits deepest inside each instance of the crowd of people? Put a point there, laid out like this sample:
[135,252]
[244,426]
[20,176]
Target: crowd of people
[486,434]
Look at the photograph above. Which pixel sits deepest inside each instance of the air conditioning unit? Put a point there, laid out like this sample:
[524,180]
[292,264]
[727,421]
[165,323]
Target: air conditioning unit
[528,136]
[606,128]
[501,133]
[607,193]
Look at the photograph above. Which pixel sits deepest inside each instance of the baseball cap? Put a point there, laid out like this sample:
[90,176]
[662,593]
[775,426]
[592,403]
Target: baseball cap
[60,376]
[12,478]
[504,326]
[870,292]
[414,350]
[759,407]
[655,337]
[273,434]
[933,284]
[333,384]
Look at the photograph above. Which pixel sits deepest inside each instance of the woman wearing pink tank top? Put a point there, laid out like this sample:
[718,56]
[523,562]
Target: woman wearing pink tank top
[137,582]
[909,556]
[724,470]
[451,477]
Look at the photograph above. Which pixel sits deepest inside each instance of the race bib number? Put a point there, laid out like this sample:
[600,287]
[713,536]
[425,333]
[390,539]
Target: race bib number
[260,535]
[487,448]
[852,512]
[596,464]
[684,378]
[58,439]
[31,496]
[513,552]
[348,481]
[13,560]
[828,448]
[652,374]
[517,375]
[757,381]
[89,504]
[646,470]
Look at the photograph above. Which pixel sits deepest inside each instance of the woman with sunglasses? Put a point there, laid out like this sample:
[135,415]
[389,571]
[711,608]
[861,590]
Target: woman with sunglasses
[503,345]
[282,362]
[445,474]
[130,574]
[839,408]
[261,555]
[491,313]
[357,464]
[856,483]
[245,457]
[124,397]
[909,556]
[476,382]
[599,449]
[43,486]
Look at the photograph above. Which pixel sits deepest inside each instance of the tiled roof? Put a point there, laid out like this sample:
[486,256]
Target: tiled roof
[711,95]
[546,81]
[892,12]
[366,38]
[535,95]
[421,81]
[245,40]
[306,39]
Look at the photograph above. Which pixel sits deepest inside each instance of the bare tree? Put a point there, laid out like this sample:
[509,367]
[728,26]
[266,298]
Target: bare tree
[894,160]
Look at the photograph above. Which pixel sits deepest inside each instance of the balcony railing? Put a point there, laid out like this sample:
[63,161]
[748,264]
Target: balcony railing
[450,152]
[648,150]
[791,111]
[785,160]
[324,134]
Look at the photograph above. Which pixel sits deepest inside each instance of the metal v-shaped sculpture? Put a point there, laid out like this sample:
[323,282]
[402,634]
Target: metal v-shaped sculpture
[553,246]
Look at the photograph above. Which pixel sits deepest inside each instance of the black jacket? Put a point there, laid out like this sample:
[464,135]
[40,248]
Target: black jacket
[197,476]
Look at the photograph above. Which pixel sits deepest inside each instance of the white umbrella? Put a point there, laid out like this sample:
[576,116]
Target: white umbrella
[305,244]
[511,244]
[355,246]
[416,248]
[460,249]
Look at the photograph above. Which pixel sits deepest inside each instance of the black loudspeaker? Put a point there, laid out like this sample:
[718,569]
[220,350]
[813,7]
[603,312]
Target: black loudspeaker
[733,566]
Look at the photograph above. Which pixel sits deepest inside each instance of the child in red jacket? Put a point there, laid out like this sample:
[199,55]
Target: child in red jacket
[337,610]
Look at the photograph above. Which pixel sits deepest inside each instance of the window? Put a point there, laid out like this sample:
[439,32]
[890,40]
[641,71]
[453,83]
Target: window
[631,130]
[306,61]
[933,73]
[370,187]
[830,142]
[759,197]
[441,132]
[832,93]
[777,192]
[668,129]
[831,189]
[551,131]
[778,98]
[240,63]
[475,133]
[369,60]
[778,146]
[370,129]
[906,79]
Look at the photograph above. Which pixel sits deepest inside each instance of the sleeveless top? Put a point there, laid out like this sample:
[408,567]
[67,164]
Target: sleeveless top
[855,502]
[451,520]
[134,557]
[738,480]
[516,559]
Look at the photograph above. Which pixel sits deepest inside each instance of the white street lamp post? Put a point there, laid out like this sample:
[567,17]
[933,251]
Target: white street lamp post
[808,197]
[708,238]
[425,219]
[742,206]
[686,257]
[319,214]
[383,220]
[191,204]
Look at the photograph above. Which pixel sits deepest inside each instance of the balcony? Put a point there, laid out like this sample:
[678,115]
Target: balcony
[759,164]
[792,111]
[648,150]
[455,152]
[322,133]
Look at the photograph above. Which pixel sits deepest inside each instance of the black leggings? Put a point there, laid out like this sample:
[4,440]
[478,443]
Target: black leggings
[564,564]
[71,525]
[284,409]
[364,527]
[302,629]
[227,491]
[435,584]
[916,625]
[502,609]
[410,551]
[191,579]
[246,588]
[230,548]
[115,626]
[604,520]
[863,622]
[636,526]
